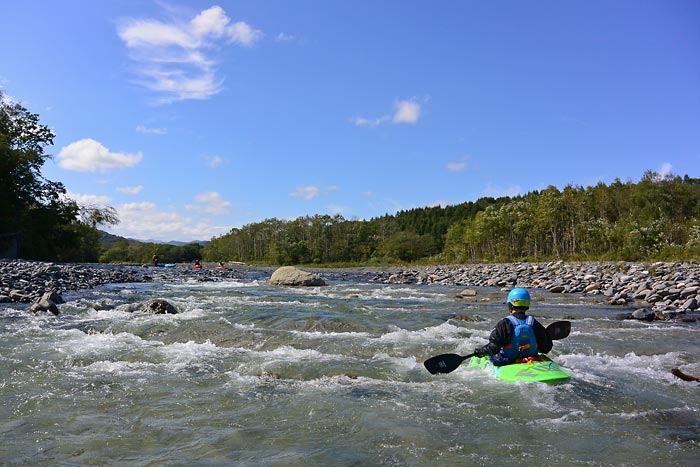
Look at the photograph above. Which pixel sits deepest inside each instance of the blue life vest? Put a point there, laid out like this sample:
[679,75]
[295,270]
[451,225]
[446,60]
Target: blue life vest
[523,343]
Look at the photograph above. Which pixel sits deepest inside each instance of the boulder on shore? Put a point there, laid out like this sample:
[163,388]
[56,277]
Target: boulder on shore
[291,276]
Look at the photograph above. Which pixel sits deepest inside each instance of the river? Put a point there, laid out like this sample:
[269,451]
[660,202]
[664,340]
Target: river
[253,375]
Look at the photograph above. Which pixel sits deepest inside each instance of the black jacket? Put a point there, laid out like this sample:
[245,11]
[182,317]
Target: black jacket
[503,333]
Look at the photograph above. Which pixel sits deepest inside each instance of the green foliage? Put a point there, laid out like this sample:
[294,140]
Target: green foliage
[36,218]
[122,250]
[655,218]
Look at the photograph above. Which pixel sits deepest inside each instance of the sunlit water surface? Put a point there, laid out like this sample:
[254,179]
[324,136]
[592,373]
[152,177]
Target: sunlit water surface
[252,375]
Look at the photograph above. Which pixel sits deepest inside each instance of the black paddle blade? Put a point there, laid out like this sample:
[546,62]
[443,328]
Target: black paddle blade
[559,330]
[445,363]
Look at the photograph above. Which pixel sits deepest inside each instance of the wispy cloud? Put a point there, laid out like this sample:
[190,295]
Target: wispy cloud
[145,221]
[459,165]
[305,192]
[210,202]
[88,155]
[456,166]
[172,55]
[214,161]
[283,37]
[665,170]
[372,123]
[497,192]
[151,131]
[88,200]
[405,111]
[132,190]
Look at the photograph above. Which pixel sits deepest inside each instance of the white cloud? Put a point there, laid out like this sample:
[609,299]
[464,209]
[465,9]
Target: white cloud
[132,190]
[282,37]
[336,209]
[151,131]
[214,162]
[372,123]
[665,170]
[171,55]
[241,33]
[210,203]
[456,166]
[406,112]
[88,200]
[145,222]
[305,192]
[88,155]
[497,192]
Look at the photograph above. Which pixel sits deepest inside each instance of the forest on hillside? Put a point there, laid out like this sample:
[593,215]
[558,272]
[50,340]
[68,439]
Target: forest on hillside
[655,218]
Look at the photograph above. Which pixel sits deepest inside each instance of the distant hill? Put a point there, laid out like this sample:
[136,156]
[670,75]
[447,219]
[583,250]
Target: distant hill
[107,240]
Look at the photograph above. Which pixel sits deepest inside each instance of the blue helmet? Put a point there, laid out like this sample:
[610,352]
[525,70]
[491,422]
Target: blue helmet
[519,297]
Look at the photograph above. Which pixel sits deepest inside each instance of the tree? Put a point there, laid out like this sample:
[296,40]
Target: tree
[35,210]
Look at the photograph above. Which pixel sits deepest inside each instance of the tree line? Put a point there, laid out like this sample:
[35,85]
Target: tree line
[117,249]
[655,218]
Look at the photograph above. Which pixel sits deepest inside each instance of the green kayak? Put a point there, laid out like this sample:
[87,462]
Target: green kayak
[545,371]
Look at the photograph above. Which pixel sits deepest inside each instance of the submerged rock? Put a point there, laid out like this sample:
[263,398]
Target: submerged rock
[159,306]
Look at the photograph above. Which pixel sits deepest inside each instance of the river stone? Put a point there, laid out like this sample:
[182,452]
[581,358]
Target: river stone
[47,302]
[644,315]
[291,276]
[159,306]
[466,293]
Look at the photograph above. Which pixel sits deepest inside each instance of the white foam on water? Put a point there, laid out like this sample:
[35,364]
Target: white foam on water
[122,368]
[76,344]
[331,334]
[444,332]
[596,368]
[406,363]
[179,356]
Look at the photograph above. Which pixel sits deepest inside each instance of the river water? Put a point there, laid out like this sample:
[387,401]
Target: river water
[253,375]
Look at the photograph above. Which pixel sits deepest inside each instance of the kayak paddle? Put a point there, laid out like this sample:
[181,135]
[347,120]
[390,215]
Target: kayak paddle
[445,363]
[684,376]
[559,330]
[448,362]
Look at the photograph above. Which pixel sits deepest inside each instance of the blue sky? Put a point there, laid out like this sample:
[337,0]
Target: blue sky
[191,118]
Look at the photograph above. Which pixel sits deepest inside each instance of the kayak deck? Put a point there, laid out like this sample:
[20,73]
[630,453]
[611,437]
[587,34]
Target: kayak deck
[545,371]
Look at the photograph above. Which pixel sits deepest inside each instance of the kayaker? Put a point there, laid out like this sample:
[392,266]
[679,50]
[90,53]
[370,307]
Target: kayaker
[154,258]
[517,336]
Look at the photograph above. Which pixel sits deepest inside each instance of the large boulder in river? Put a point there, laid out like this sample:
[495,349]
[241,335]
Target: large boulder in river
[159,306]
[291,276]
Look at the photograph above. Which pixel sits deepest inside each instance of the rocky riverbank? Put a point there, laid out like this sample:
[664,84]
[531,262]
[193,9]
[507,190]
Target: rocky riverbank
[661,290]
[26,281]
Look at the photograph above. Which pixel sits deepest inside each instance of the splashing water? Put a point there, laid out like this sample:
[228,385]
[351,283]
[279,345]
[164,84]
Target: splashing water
[252,375]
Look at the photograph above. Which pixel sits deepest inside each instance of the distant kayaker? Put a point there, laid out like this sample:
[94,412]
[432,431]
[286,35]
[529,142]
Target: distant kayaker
[517,336]
[154,258]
